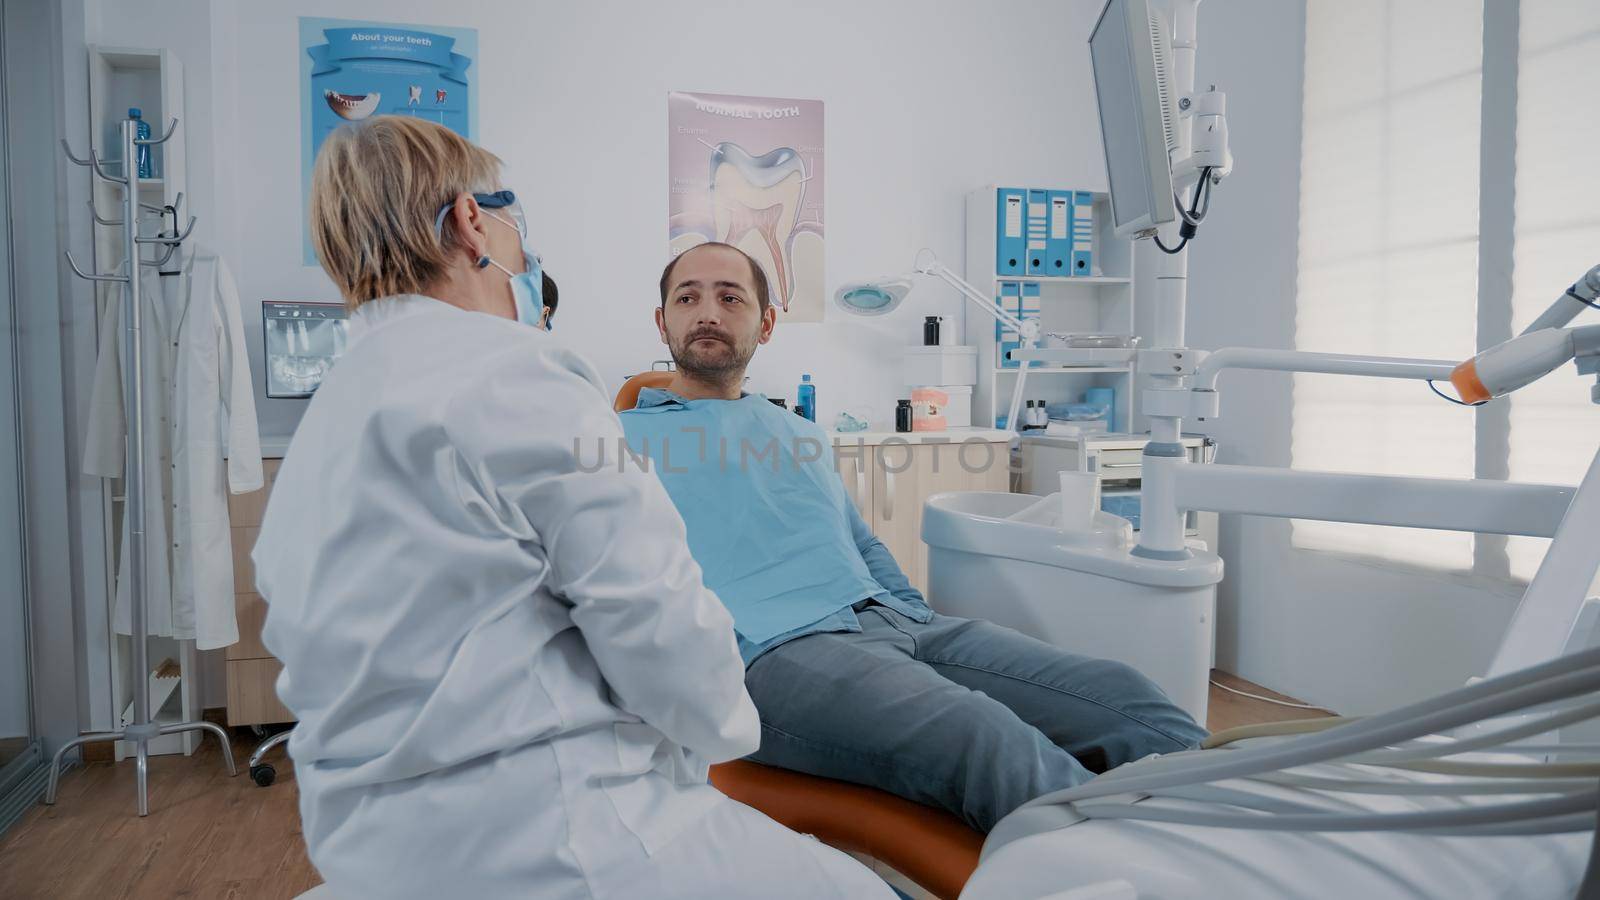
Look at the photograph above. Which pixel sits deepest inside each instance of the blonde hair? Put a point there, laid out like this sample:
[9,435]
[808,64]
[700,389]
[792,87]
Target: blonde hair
[376,190]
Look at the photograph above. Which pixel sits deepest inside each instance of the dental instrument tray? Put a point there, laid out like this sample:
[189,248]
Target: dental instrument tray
[1072,357]
[302,340]
[1078,340]
[1075,349]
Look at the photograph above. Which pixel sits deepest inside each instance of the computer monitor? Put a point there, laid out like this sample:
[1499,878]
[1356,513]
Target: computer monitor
[1132,85]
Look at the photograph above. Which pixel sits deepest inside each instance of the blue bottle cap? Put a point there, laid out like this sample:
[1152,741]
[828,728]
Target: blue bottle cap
[805,377]
[135,112]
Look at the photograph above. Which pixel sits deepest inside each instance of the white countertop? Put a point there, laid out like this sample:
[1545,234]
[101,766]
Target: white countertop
[1106,440]
[949,435]
[274,447]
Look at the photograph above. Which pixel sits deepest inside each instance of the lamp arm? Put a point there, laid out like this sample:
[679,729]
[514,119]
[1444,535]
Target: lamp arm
[942,272]
[1027,329]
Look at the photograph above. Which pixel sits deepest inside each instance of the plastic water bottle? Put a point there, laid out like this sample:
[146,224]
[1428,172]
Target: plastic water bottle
[806,398]
[141,130]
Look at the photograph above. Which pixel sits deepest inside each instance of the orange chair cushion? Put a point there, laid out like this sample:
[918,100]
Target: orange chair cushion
[929,846]
[628,394]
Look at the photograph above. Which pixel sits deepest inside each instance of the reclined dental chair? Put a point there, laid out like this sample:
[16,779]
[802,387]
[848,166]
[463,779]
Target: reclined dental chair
[929,846]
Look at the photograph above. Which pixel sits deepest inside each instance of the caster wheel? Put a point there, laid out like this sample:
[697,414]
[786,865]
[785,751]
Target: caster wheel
[263,774]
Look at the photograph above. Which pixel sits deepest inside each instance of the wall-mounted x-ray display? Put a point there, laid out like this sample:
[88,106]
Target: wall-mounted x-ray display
[303,340]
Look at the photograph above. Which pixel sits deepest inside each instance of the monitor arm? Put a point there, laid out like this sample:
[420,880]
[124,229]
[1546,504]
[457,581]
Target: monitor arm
[1202,117]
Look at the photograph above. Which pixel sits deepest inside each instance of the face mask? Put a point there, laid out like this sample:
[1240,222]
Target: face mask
[527,286]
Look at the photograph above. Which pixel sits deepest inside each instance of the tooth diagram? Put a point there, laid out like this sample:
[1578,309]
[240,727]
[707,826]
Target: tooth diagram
[354,107]
[756,206]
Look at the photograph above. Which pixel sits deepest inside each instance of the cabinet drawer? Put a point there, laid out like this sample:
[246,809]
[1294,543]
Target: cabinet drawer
[252,696]
[900,476]
[247,509]
[251,611]
[244,569]
[854,465]
[957,462]
[1121,458]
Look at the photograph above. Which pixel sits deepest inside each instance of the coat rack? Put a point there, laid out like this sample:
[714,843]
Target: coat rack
[142,729]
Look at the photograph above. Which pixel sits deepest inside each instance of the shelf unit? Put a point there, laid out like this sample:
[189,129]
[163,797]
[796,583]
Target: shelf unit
[1082,280]
[151,79]
[120,77]
[1101,302]
[1060,370]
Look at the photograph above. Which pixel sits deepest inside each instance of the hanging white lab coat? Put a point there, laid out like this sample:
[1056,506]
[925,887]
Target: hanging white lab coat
[508,674]
[199,407]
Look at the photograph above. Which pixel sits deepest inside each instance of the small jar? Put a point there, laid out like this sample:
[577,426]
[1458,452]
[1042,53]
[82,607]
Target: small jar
[902,416]
[930,331]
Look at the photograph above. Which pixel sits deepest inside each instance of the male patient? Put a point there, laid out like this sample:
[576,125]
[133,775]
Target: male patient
[854,676]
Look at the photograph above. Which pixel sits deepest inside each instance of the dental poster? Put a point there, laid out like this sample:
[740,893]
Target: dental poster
[747,171]
[350,71]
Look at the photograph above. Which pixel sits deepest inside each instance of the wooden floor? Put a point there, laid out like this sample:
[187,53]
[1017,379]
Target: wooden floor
[1229,710]
[207,836]
[212,837]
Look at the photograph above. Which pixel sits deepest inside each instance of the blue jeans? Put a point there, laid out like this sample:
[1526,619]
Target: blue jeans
[959,714]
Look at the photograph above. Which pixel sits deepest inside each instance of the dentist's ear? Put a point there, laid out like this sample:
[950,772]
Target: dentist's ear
[467,226]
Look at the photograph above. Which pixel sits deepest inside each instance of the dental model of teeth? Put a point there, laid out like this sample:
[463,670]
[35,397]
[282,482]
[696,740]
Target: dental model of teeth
[353,107]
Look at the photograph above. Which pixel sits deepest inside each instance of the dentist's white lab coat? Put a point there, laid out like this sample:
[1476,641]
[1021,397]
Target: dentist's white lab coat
[199,406]
[508,673]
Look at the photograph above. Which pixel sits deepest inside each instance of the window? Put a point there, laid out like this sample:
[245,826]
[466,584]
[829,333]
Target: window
[1388,248]
[1389,245]
[1554,427]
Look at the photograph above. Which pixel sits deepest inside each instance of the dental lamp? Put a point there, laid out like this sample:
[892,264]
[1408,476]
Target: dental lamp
[1525,359]
[1539,350]
[882,296]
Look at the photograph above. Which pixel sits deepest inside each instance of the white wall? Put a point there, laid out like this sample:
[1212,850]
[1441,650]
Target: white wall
[1354,635]
[920,109]
[924,101]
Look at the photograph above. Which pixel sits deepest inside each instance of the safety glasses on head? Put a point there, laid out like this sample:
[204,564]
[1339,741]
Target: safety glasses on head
[527,285]
[504,201]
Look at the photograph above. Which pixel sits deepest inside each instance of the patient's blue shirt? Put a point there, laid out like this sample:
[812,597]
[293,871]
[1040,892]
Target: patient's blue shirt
[768,519]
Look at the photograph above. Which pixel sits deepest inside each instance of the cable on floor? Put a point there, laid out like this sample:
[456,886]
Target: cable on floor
[1231,690]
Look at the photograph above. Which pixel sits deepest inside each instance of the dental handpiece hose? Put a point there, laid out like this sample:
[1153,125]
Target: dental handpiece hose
[1583,294]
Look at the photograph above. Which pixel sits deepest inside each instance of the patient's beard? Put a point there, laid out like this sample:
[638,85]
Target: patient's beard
[719,364]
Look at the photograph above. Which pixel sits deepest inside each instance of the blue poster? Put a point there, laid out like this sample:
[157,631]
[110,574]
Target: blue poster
[351,71]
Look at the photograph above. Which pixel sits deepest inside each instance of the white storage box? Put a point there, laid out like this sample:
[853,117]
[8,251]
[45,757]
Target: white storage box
[945,365]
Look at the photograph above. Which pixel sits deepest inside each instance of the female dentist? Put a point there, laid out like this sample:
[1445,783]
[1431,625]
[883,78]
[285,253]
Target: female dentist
[509,676]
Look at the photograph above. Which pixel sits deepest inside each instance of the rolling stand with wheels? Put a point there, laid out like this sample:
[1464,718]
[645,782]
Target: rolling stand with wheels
[262,773]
